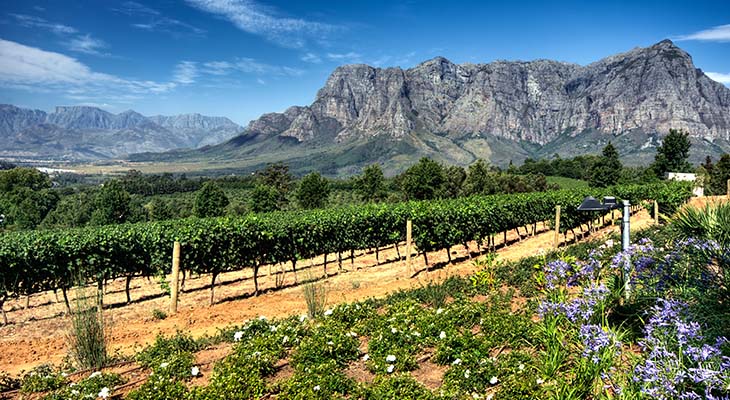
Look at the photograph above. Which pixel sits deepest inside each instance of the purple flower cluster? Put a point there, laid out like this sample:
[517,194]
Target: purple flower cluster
[677,364]
[579,309]
[557,272]
[596,340]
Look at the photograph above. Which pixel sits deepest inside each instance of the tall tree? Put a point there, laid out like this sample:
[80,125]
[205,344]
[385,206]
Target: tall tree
[370,186]
[26,197]
[112,204]
[277,176]
[424,180]
[264,198]
[479,180]
[210,201]
[720,175]
[673,154]
[607,169]
[455,177]
[313,191]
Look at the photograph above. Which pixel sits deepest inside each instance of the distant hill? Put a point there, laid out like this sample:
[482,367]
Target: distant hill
[502,111]
[87,133]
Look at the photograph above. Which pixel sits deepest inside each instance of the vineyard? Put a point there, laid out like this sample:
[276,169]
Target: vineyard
[37,261]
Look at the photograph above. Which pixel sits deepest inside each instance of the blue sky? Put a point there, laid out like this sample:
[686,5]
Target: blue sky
[243,58]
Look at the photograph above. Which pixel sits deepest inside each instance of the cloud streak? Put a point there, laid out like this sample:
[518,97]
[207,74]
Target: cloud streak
[72,39]
[32,69]
[255,19]
[155,21]
[719,77]
[719,33]
[30,21]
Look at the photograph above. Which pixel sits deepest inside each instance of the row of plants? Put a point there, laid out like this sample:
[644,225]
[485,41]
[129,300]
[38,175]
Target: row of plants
[579,334]
[59,259]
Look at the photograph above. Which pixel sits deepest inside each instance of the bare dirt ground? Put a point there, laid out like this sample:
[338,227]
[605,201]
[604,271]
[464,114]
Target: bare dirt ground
[36,334]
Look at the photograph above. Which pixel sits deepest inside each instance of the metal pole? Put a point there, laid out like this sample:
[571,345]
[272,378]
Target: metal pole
[625,233]
[625,225]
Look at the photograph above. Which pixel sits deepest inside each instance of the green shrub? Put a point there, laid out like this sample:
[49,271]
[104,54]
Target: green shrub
[92,387]
[41,379]
[165,348]
[315,294]
[159,388]
[88,336]
[231,380]
[326,343]
[320,381]
[398,386]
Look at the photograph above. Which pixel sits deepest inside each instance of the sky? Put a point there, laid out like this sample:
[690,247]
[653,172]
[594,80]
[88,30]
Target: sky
[243,58]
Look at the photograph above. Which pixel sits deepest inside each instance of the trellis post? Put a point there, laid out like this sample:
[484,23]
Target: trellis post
[175,275]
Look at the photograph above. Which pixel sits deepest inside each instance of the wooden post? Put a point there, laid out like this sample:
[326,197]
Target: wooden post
[557,226]
[656,212]
[728,189]
[409,233]
[175,273]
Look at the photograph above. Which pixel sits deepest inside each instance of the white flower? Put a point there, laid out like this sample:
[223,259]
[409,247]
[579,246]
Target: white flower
[493,380]
[390,358]
[490,396]
[609,243]
[417,333]
[521,367]
[439,311]
[75,392]
[238,336]
[302,317]
[352,334]
[63,374]
[285,339]
[475,396]
[442,335]
[273,328]
[467,373]
[195,371]
[393,330]
[391,368]
[104,393]
[456,362]
[330,343]
[540,381]
[164,365]
[95,374]
[316,388]
[366,357]
[262,318]
[328,312]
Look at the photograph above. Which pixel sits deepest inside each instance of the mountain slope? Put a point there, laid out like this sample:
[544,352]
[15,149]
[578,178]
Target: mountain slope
[89,133]
[503,111]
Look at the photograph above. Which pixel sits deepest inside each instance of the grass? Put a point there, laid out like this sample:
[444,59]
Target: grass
[567,183]
[88,336]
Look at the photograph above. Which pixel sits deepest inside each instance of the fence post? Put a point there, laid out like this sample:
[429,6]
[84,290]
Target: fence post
[656,212]
[175,275]
[728,189]
[557,226]
[409,233]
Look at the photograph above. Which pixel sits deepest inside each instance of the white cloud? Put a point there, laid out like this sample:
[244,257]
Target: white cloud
[311,58]
[260,81]
[248,65]
[185,72]
[86,44]
[155,21]
[250,17]
[350,57]
[719,33]
[29,68]
[30,21]
[719,77]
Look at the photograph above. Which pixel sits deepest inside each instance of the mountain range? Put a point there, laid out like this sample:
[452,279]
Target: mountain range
[502,111]
[81,133]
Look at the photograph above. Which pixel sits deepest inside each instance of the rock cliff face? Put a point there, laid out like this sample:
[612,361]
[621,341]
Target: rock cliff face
[86,133]
[649,89]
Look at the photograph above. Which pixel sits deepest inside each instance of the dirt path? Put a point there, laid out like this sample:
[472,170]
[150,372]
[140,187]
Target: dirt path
[37,334]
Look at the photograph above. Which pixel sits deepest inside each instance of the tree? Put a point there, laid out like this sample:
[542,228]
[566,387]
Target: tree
[455,177]
[370,186]
[424,180]
[720,175]
[72,211]
[479,179]
[708,165]
[313,191]
[26,197]
[158,209]
[607,169]
[112,204]
[673,154]
[264,198]
[210,201]
[277,176]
